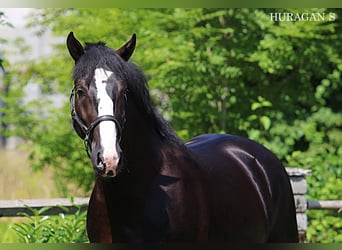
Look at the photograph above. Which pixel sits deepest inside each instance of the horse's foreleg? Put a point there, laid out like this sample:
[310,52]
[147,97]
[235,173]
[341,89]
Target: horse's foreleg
[98,224]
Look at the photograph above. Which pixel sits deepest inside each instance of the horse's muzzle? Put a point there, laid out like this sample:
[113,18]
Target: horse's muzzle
[107,166]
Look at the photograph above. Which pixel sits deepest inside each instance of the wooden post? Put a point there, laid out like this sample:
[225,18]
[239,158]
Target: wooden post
[298,182]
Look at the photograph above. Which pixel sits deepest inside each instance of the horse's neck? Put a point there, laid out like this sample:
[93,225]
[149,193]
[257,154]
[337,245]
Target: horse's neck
[141,144]
[145,150]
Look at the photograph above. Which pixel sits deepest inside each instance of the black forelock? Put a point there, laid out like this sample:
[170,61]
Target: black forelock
[89,45]
[96,55]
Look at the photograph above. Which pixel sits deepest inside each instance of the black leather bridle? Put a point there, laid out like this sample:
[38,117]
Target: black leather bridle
[88,131]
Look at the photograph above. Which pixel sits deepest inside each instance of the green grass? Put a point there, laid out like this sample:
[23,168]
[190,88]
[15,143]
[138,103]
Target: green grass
[18,181]
[7,233]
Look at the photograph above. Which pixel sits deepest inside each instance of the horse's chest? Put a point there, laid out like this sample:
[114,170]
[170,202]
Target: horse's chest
[160,216]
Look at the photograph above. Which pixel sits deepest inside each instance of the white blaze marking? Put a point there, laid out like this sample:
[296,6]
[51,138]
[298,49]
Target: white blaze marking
[107,128]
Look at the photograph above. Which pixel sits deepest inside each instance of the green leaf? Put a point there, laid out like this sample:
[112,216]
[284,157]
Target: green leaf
[266,122]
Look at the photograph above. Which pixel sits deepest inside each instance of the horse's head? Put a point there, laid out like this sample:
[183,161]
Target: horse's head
[98,100]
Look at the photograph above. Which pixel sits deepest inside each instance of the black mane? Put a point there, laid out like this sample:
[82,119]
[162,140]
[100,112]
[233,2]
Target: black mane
[97,55]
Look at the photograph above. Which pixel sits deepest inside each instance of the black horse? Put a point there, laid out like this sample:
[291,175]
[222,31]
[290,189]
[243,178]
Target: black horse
[150,186]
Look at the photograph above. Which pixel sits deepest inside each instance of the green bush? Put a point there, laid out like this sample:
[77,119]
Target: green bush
[52,229]
[324,226]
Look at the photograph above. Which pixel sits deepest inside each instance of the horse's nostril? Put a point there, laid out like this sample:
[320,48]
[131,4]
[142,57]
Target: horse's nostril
[100,165]
[99,158]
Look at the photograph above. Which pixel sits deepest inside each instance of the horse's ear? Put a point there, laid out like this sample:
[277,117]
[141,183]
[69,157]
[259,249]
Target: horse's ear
[74,46]
[127,49]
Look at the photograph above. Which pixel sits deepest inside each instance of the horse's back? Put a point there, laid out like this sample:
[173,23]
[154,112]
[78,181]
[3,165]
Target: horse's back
[250,194]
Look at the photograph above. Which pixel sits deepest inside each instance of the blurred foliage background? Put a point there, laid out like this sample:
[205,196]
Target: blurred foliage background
[210,70]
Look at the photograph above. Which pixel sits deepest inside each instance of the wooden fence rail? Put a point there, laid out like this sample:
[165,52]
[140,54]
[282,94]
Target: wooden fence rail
[329,204]
[11,208]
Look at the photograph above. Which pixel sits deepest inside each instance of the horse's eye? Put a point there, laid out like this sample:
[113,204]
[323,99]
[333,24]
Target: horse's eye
[80,92]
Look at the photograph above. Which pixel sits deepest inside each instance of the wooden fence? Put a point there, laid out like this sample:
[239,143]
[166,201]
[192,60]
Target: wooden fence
[11,208]
[299,187]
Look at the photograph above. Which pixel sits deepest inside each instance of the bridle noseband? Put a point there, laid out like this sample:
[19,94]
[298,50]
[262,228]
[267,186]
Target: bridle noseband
[88,131]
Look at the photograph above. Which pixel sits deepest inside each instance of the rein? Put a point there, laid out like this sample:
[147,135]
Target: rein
[88,131]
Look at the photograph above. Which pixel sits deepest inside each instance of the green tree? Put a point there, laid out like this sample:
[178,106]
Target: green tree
[209,70]
[3,22]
